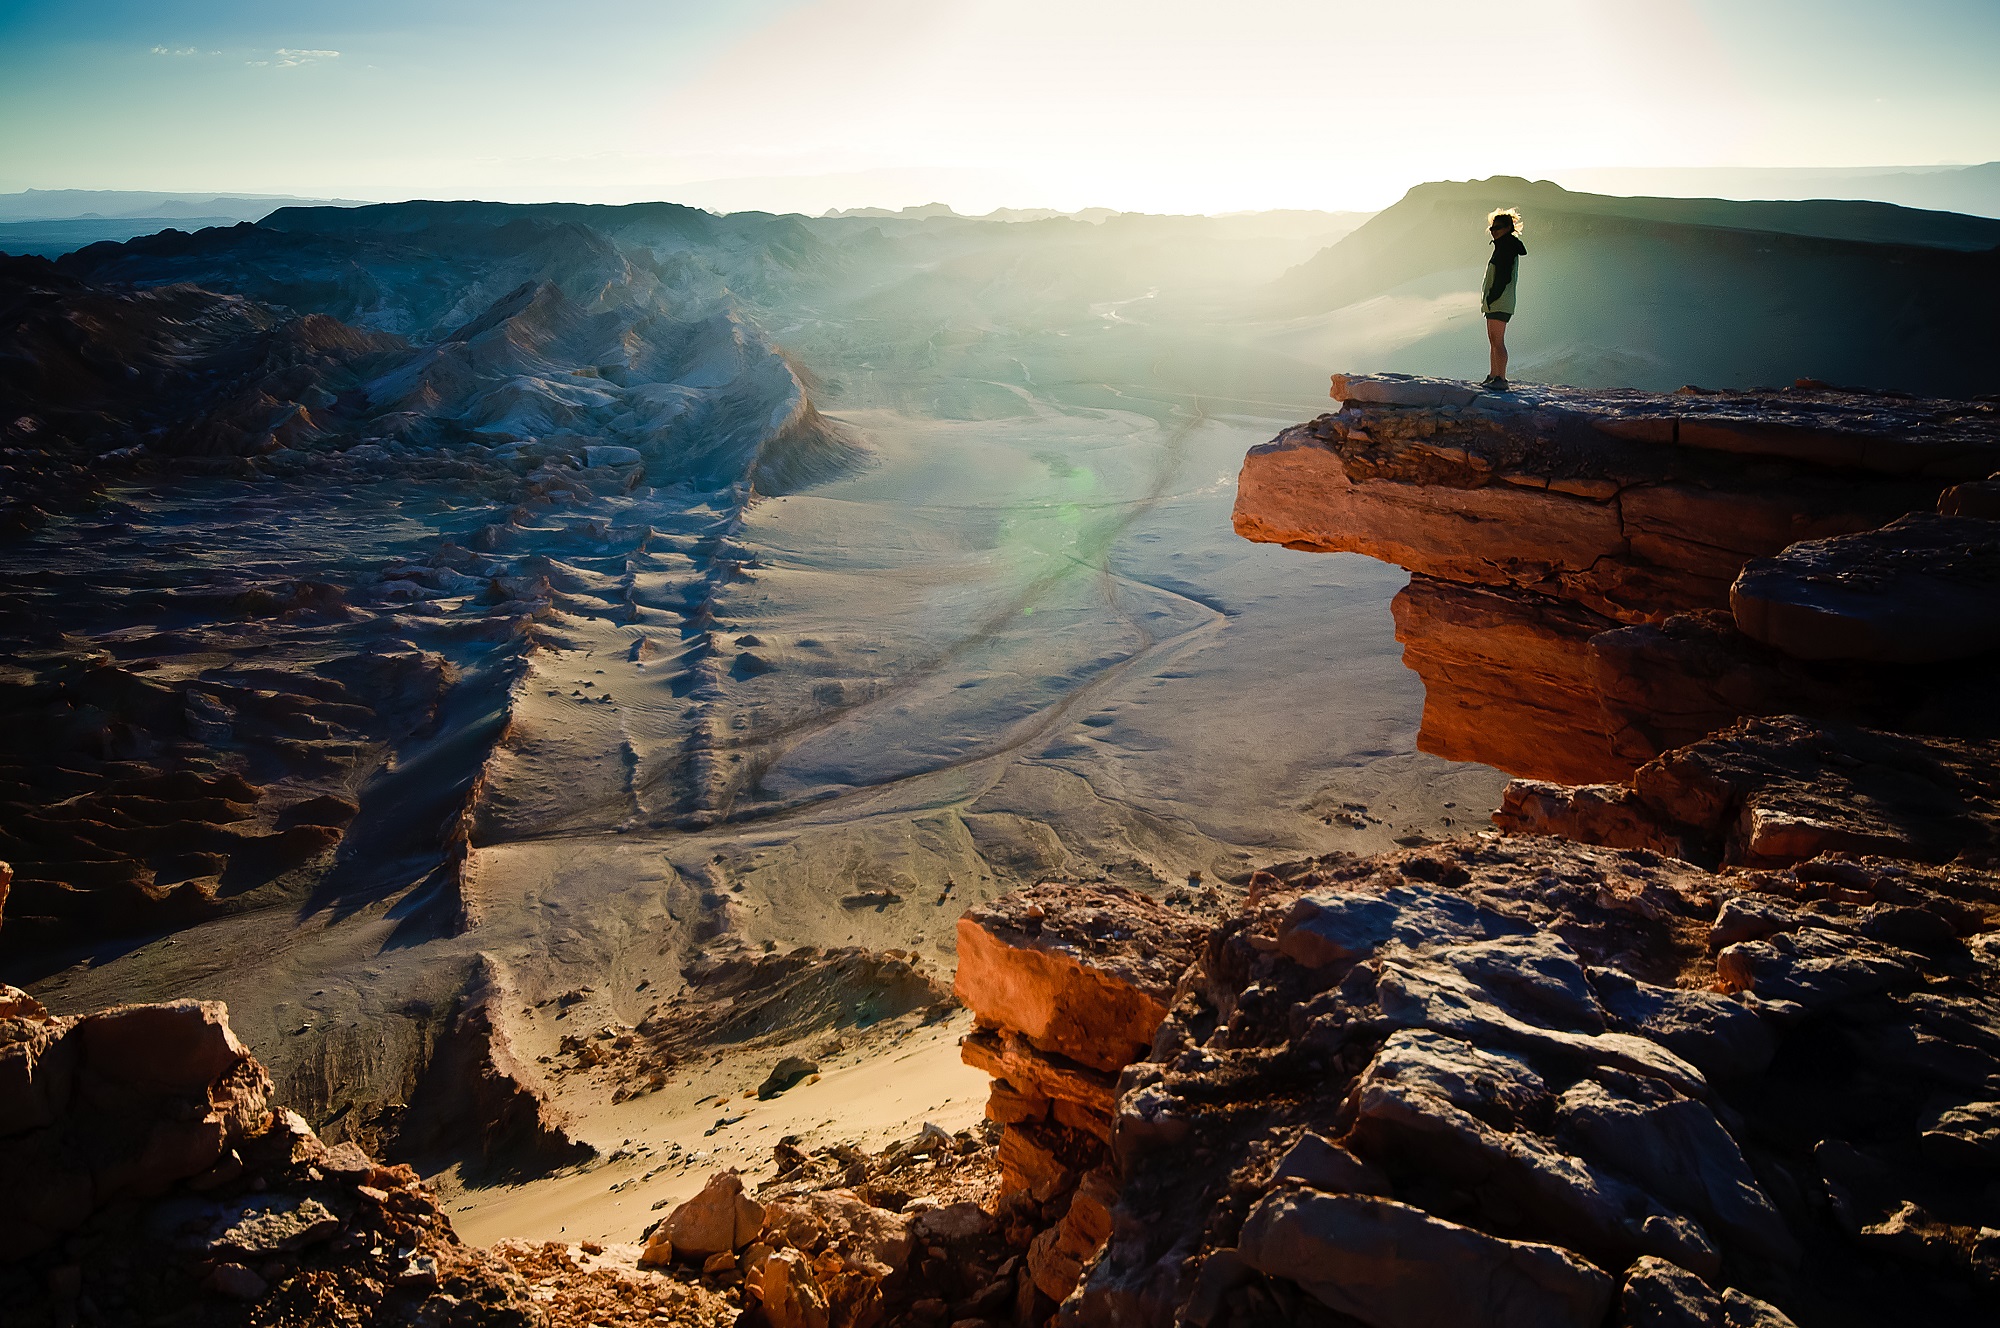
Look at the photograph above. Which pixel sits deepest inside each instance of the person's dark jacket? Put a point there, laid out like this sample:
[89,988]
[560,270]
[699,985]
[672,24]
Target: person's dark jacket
[1506,249]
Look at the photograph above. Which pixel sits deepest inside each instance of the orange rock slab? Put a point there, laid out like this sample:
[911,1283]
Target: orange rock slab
[1084,972]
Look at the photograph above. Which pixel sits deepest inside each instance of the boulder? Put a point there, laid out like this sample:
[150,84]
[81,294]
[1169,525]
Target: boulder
[1325,928]
[784,1074]
[949,1222]
[658,1251]
[866,1238]
[787,1293]
[1677,1150]
[1417,992]
[1319,1165]
[1719,1036]
[176,1048]
[1964,1134]
[250,1228]
[1436,1103]
[1394,1266]
[851,1249]
[1980,498]
[720,1218]
[37,1063]
[236,1282]
[1925,587]
[117,1104]
[1814,967]
[1056,1257]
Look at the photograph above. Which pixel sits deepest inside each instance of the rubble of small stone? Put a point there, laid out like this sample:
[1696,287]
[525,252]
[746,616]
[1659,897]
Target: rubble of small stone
[846,1239]
[738,1000]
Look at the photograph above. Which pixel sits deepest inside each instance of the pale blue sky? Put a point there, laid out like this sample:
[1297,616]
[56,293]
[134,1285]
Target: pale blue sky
[1157,104]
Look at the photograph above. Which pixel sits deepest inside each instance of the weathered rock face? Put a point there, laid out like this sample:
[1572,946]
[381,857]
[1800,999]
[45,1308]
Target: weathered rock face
[1573,557]
[1782,790]
[1520,1081]
[1088,981]
[119,1104]
[478,1098]
[1511,679]
[147,1177]
[1068,983]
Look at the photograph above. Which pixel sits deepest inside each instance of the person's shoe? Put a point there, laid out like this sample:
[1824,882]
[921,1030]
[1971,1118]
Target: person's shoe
[1495,384]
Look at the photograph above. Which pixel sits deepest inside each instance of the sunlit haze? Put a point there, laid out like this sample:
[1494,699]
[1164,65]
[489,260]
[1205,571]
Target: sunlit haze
[1141,104]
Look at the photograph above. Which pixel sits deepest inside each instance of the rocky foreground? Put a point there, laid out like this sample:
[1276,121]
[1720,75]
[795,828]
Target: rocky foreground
[1711,1040]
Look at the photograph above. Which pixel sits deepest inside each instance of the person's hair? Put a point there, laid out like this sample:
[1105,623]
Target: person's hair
[1510,216]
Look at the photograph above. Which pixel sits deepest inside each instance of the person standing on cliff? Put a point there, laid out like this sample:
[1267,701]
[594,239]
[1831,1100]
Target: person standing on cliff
[1496,296]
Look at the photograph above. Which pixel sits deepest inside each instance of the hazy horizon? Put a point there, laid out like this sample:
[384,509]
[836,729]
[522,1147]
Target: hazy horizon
[825,195]
[806,105]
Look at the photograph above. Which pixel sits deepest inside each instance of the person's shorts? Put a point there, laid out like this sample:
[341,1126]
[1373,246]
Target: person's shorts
[1498,317]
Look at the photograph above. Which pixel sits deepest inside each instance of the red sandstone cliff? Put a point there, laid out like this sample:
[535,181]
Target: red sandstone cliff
[1601,576]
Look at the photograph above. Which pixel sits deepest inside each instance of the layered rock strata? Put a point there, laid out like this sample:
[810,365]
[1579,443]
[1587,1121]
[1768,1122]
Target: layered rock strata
[1573,554]
[1068,985]
[1633,504]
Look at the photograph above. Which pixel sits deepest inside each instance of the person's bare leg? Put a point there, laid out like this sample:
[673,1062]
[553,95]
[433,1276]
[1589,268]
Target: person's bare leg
[1496,347]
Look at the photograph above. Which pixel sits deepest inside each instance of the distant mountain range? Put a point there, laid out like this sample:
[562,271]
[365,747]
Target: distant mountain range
[1970,189]
[929,312]
[121,204]
[49,222]
[925,211]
